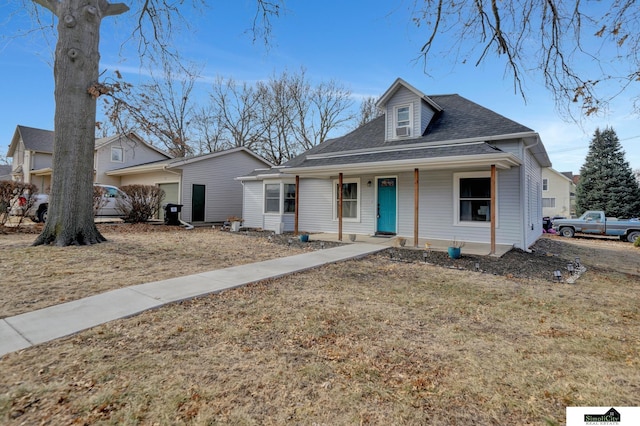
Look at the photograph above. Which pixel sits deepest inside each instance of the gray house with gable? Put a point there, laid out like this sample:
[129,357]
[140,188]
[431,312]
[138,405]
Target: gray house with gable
[430,168]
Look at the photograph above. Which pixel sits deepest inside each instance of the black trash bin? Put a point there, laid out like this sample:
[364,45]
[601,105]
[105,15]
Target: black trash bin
[546,223]
[172,213]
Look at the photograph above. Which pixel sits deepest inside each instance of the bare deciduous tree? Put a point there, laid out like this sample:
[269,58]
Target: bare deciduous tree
[587,52]
[237,107]
[298,116]
[161,109]
[368,111]
[210,133]
[77,87]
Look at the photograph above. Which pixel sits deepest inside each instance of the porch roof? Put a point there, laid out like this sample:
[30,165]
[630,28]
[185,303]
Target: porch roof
[436,156]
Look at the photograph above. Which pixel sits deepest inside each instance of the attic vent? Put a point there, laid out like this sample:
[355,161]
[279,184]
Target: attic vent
[402,131]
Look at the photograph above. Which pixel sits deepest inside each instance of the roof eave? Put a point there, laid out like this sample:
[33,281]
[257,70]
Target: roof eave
[503,160]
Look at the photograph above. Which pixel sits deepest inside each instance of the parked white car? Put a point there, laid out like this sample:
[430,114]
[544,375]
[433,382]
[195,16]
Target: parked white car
[108,206]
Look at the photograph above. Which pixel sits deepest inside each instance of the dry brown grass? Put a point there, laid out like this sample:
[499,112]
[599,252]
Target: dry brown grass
[361,342]
[37,277]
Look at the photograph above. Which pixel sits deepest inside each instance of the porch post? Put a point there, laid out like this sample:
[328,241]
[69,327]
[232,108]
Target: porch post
[340,207]
[416,204]
[493,209]
[297,204]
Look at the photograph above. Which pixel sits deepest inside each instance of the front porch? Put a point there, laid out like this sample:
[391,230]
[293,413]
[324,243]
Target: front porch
[478,249]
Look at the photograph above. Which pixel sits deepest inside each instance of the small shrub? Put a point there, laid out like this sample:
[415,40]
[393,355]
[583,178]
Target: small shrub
[16,198]
[141,204]
[99,200]
[637,243]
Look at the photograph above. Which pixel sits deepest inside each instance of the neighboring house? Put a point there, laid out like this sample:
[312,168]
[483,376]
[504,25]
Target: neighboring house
[431,168]
[558,193]
[32,150]
[205,185]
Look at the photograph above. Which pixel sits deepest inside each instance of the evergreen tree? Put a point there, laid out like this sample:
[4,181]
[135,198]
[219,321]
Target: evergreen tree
[606,179]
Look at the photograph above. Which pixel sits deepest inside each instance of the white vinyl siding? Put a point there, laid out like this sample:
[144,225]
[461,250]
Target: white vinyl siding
[134,153]
[223,196]
[402,98]
[252,203]
[426,114]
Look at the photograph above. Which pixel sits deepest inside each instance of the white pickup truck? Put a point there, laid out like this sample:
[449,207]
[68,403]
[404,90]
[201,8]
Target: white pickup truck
[38,212]
[596,222]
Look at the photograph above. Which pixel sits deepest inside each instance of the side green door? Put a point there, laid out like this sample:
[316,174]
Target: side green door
[197,203]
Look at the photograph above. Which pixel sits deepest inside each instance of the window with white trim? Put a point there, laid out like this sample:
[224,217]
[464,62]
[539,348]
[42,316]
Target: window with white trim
[472,197]
[545,184]
[350,199]
[117,154]
[289,197]
[548,202]
[402,117]
[274,203]
[272,198]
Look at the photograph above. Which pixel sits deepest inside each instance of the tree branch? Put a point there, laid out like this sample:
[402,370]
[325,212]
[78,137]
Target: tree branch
[52,5]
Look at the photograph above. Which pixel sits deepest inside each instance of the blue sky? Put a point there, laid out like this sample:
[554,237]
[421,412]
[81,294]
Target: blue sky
[363,45]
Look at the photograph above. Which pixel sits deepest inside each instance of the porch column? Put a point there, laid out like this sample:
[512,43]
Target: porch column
[340,207]
[297,204]
[416,204]
[493,208]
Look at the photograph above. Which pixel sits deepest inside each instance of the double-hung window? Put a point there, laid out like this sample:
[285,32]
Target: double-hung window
[472,197]
[402,116]
[274,203]
[272,198]
[350,199]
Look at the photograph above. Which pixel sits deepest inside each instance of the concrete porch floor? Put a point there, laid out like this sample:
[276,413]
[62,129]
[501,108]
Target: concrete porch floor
[479,249]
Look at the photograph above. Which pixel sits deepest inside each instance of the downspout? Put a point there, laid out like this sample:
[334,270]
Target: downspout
[525,194]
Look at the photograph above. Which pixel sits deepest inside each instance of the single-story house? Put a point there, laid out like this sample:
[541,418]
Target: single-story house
[430,168]
[204,185]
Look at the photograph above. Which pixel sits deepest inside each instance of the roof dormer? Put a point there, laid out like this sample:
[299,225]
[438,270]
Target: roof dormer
[408,111]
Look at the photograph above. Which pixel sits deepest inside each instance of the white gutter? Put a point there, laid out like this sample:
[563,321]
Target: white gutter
[525,195]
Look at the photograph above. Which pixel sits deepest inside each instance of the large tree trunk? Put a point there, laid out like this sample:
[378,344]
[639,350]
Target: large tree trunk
[70,217]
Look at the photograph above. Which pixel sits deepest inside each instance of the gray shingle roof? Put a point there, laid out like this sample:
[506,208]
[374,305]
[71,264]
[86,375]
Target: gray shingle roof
[36,139]
[460,119]
[453,150]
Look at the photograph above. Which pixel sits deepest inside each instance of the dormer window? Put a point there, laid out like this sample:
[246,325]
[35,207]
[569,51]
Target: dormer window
[402,121]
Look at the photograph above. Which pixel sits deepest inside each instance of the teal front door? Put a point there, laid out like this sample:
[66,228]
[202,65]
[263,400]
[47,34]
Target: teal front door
[386,223]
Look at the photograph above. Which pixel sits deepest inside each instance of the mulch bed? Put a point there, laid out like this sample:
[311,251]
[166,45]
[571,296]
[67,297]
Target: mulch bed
[540,263]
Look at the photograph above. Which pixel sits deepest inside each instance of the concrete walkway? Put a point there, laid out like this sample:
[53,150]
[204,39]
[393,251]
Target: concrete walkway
[32,328]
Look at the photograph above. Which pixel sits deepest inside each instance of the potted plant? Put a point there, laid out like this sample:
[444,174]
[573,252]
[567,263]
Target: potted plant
[455,248]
